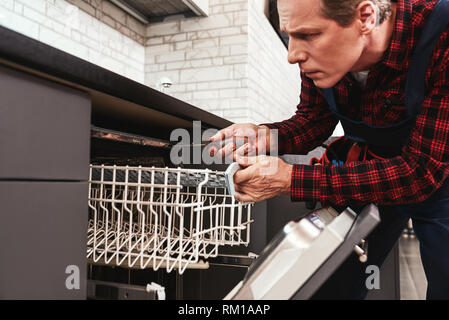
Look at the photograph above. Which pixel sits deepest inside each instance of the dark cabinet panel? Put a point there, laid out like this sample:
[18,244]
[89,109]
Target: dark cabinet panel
[44,129]
[43,240]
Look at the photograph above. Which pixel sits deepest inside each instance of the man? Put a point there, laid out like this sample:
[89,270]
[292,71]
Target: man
[382,69]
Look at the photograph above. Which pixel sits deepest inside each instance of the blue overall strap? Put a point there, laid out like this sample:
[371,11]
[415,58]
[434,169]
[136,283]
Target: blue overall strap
[330,99]
[415,86]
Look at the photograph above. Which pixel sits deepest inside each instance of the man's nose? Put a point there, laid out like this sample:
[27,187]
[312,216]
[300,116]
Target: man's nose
[295,53]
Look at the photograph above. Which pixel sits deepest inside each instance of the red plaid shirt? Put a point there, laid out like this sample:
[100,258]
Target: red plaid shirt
[423,164]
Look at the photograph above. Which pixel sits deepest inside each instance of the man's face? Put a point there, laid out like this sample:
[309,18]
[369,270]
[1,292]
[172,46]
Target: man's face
[324,50]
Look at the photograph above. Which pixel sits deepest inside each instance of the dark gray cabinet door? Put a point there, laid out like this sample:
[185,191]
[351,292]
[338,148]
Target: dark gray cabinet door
[44,129]
[43,232]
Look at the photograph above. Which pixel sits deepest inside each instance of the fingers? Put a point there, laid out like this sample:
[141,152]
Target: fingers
[213,151]
[242,151]
[243,197]
[221,148]
[223,134]
[244,136]
[227,146]
[226,151]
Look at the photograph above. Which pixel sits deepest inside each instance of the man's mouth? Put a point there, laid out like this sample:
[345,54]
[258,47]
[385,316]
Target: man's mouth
[311,73]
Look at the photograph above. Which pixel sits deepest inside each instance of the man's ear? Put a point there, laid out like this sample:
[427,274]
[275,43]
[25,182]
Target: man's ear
[367,14]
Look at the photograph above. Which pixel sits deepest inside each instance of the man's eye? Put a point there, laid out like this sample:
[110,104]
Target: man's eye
[311,35]
[307,36]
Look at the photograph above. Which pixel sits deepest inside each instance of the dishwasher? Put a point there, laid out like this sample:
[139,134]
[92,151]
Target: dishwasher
[179,218]
[92,206]
[159,218]
[154,230]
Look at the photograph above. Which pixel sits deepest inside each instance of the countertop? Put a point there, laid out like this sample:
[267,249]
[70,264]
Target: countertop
[118,102]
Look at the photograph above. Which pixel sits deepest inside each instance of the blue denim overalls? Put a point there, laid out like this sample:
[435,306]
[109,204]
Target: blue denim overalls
[430,217]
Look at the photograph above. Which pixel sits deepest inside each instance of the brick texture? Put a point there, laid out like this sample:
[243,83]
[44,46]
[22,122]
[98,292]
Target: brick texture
[231,63]
[65,26]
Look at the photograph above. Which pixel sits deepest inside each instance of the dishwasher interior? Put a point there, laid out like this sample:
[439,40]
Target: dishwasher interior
[151,221]
[151,228]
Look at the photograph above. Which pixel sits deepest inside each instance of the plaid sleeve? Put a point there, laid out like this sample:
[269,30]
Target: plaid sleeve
[311,125]
[411,177]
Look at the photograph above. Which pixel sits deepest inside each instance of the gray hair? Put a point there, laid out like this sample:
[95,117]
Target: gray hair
[344,11]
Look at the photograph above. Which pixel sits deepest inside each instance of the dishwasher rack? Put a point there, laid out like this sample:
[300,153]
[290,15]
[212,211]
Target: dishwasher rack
[161,217]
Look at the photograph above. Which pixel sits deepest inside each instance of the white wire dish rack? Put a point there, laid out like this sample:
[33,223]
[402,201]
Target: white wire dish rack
[161,217]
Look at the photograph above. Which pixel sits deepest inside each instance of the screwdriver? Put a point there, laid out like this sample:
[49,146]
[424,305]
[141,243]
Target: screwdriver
[108,134]
[238,141]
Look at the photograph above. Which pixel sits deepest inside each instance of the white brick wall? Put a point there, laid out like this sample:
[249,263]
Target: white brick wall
[106,12]
[231,63]
[205,57]
[64,26]
[274,85]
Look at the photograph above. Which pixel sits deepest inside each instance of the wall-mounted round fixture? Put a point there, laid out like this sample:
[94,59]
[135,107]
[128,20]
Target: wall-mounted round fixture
[163,83]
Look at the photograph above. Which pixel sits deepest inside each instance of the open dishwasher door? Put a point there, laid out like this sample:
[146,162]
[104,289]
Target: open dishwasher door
[304,254]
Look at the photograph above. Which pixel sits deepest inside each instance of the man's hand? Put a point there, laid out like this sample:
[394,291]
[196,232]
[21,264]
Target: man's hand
[262,178]
[241,139]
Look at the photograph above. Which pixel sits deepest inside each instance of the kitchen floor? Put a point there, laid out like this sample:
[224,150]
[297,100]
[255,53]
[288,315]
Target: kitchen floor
[413,280]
